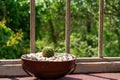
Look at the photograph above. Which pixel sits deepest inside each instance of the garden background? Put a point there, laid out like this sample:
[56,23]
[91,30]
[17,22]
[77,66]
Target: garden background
[50,27]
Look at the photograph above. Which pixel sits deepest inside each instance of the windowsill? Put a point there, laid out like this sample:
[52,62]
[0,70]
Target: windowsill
[91,76]
[12,67]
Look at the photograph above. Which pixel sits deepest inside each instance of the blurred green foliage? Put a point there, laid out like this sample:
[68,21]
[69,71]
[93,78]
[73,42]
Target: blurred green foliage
[50,27]
[11,44]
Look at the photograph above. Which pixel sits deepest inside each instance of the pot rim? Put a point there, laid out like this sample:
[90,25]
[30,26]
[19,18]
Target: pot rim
[23,58]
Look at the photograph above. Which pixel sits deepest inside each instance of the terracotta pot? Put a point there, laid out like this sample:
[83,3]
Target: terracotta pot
[47,69]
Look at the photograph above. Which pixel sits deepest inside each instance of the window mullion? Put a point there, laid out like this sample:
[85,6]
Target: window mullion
[32,26]
[67,27]
[100,31]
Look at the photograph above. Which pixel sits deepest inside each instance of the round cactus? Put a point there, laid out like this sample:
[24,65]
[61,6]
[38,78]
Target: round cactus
[48,52]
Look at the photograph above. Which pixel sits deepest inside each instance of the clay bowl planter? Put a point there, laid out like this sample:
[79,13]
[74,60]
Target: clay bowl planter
[47,69]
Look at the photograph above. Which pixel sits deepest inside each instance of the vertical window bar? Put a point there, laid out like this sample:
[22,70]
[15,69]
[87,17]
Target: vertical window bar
[100,32]
[67,27]
[32,26]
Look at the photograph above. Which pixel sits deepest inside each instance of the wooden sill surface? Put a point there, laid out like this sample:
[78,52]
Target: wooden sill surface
[13,67]
[91,76]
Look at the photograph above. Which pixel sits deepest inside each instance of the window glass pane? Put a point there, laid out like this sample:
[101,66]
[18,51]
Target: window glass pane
[84,28]
[112,29]
[14,28]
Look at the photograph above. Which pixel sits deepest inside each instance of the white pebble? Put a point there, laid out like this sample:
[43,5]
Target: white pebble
[57,57]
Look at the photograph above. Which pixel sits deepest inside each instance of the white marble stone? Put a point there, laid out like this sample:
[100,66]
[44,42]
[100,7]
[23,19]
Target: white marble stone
[57,57]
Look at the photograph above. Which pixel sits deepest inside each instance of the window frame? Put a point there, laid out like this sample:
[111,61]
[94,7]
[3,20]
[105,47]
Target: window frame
[67,27]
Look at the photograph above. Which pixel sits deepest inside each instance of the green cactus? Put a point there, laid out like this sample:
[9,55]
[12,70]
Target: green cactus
[48,52]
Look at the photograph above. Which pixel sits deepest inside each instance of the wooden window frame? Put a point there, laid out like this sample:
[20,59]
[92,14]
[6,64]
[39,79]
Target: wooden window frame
[67,27]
